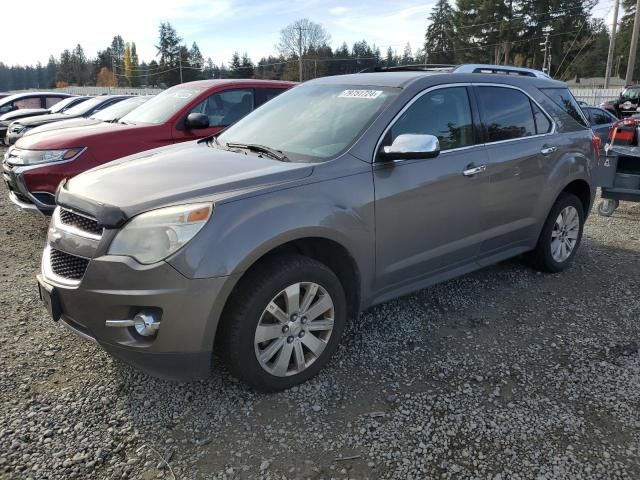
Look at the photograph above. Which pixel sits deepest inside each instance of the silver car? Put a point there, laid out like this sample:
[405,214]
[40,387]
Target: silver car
[340,194]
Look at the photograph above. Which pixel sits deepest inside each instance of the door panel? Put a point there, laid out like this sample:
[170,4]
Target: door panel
[428,213]
[521,153]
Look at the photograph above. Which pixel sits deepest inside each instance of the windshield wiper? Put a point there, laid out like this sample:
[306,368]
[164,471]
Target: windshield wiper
[254,147]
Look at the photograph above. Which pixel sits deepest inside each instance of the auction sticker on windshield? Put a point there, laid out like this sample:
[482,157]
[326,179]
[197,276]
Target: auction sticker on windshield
[366,94]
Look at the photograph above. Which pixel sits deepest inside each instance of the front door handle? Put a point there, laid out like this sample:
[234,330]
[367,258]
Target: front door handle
[548,150]
[473,170]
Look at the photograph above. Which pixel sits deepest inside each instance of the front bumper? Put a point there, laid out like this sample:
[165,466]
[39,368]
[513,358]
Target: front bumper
[116,288]
[14,178]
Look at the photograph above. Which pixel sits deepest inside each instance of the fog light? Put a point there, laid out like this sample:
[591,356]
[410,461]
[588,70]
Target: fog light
[146,324]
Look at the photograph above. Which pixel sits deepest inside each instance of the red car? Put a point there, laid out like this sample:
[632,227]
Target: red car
[34,167]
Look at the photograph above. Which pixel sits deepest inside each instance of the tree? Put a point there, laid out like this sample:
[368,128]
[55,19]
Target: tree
[79,66]
[439,44]
[128,70]
[235,66]
[170,52]
[299,37]
[106,78]
[65,70]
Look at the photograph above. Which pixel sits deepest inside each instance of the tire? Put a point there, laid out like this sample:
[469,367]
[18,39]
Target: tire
[246,317]
[542,257]
[607,206]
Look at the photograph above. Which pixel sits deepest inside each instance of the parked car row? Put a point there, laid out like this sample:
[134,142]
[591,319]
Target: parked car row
[118,126]
[264,235]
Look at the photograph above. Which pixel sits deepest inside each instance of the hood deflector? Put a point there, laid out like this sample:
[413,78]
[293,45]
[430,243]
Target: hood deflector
[107,216]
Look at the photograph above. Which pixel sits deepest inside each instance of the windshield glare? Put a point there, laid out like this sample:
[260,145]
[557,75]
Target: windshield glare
[85,106]
[61,105]
[312,121]
[630,93]
[120,109]
[163,106]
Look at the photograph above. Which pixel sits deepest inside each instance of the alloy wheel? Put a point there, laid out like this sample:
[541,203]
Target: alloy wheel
[564,235]
[294,329]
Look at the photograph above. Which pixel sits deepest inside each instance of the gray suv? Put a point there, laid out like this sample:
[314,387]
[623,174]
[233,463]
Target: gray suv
[340,194]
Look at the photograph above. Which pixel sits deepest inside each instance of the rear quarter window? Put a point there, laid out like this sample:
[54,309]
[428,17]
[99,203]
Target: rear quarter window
[563,100]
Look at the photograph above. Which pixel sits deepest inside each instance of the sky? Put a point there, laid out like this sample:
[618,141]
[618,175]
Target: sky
[219,27]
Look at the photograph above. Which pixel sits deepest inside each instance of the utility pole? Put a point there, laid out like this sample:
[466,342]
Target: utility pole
[113,66]
[180,61]
[634,45]
[300,50]
[546,62]
[612,44]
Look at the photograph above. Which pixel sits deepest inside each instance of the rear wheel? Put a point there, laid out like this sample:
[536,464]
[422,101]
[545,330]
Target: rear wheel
[560,236]
[283,322]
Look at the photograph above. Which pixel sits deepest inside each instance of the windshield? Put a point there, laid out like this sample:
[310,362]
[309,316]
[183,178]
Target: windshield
[62,104]
[163,106]
[313,121]
[119,110]
[630,93]
[85,106]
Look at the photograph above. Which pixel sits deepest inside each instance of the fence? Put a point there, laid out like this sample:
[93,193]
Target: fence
[595,96]
[109,90]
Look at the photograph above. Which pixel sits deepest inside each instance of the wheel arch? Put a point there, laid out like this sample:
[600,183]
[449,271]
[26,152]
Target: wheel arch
[328,251]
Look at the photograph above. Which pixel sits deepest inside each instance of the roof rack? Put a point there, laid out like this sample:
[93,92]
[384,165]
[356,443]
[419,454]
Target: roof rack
[424,67]
[466,68]
[500,69]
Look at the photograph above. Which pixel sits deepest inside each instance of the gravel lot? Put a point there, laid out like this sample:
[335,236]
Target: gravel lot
[504,373]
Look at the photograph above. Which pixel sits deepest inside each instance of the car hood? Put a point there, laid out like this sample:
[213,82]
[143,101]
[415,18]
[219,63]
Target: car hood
[71,123]
[23,112]
[42,119]
[49,137]
[172,175]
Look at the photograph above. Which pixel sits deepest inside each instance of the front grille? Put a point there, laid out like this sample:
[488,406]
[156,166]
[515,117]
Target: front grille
[67,266]
[86,224]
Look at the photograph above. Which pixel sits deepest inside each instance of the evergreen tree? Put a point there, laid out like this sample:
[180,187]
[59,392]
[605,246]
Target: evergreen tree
[235,66]
[439,40]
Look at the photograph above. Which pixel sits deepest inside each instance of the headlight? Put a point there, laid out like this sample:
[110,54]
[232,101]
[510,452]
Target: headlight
[153,236]
[35,157]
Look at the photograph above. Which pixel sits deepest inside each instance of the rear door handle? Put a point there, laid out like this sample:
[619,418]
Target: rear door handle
[548,150]
[474,170]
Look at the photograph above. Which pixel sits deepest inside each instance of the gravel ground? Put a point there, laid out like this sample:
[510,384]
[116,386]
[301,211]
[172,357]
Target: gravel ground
[504,373]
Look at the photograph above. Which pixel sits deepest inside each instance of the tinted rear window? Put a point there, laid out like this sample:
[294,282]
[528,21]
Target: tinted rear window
[563,98]
[506,113]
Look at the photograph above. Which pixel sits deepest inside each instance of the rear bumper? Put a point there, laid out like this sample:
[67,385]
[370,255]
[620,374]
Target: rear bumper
[116,288]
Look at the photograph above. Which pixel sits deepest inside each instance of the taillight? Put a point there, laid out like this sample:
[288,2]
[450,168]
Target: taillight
[596,144]
[623,132]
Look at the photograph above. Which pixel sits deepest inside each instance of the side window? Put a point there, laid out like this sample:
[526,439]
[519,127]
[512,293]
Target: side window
[51,101]
[32,102]
[263,95]
[506,113]
[599,118]
[562,97]
[226,107]
[543,124]
[8,107]
[444,113]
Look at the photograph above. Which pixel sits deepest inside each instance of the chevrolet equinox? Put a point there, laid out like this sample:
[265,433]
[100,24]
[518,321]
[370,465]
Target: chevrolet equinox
[339,194]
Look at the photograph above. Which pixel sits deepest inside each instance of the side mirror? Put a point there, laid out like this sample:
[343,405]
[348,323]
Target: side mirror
[196,120]
[411,146]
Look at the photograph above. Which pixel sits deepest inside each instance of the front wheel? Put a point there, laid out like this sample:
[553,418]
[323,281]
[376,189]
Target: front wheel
[283,322]
[560,236]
